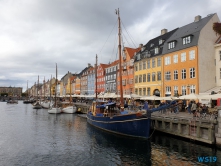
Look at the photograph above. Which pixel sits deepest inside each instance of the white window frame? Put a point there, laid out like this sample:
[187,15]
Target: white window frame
[192,54]
[192,72]
[175,75]
[183,57]
[183,90]
[168,89]
[175,90]
[186,40]
[171,45]
[192,88]
[156,50]
[168,75]
[167,60]
[175,58]
[183,74]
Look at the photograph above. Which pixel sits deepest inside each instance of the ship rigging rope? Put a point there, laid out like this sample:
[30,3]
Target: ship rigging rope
[128,34]
[108,38]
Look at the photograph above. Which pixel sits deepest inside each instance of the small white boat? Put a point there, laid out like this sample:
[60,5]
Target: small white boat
[37,105]
[46,104]
[54,110]
[69,109]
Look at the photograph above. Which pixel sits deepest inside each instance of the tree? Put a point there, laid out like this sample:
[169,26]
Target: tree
[217,28]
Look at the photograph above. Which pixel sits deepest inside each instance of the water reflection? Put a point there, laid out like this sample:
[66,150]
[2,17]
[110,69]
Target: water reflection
[127,151]
[30,137]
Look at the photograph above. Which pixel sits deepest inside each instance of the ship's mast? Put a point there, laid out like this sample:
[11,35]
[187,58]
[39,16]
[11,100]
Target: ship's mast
[120,66]
[96,79]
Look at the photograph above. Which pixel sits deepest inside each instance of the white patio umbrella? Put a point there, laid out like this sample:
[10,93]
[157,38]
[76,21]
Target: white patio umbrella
[213,97]
[135,96]
[150,98]
[191,96]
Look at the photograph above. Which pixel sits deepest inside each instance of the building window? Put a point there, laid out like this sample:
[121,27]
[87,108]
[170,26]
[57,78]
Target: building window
[220,55]
[192,55]
[158,62]
[154,76]
[175,90]
[192,72]
[186,40]
[183,73]
[136,79]
[140,66]
[136,67]
[183,57]
[175,59]
[153,62]
[136,91]
[148,91]
[144,65]
[160,41]
[167,75]
[140,78]
[148,77]
[158,75]
[167,60]
[220,73]
[144,91]
[144,77]
[156,50]
[175,74]
[183,90]
[192,89]
[171,45]
[168,89]
[140,91]
[148,63]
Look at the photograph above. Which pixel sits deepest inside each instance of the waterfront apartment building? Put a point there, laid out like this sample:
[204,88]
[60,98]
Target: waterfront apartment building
[218,64]
[101,78]
[91,81]
[84,82]
[148,66]
[64,88]
[111,77]
[127,71]
[11,91]
[188,56]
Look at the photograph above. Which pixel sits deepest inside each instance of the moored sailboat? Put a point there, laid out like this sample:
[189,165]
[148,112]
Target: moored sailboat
[69,107]
[116,119]
[37,104]
[55,109]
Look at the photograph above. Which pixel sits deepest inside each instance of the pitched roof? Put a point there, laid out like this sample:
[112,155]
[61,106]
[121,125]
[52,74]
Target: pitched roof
[149,48]
[131,51]
[192,29]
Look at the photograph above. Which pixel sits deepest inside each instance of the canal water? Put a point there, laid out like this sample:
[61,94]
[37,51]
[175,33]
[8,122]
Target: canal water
[34,137]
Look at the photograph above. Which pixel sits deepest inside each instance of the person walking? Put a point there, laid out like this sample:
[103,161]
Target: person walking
[193,108]
[189,107]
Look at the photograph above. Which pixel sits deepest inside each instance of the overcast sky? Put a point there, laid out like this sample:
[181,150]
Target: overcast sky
[36,34]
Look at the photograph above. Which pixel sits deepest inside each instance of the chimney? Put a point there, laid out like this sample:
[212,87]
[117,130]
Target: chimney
[163,31]
[140,45]
[89,64]
[197,18]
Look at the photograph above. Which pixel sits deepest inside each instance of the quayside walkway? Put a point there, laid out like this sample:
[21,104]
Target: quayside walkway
[185,125]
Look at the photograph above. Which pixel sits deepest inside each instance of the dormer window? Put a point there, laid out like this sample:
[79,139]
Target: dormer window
[160,41]
[151,45]
[156,50]
[171,45]
[186,40]
[138,56]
